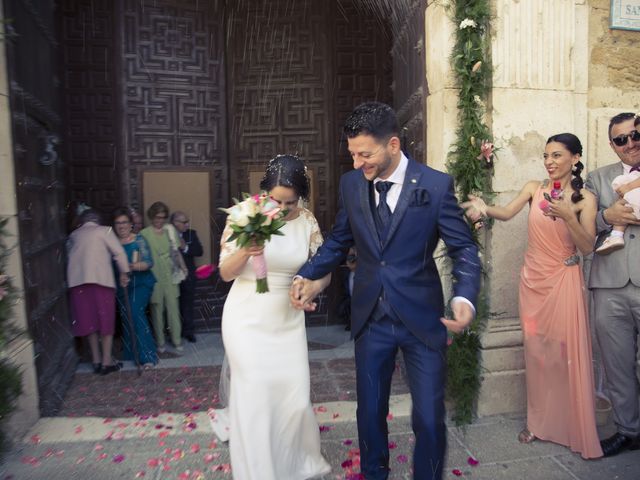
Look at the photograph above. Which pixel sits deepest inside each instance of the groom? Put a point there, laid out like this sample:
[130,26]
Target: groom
[394,211]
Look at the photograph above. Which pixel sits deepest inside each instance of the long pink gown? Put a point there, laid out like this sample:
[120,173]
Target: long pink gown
[557,344]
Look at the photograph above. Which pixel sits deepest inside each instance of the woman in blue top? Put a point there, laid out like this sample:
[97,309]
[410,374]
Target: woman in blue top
[139,289]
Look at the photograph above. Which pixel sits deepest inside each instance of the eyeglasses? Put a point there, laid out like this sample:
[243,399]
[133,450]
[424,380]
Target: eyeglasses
[161,217]
[181,221]
[621,140]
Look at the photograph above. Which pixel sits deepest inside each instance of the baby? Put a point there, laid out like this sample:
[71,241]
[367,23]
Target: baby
[628,187]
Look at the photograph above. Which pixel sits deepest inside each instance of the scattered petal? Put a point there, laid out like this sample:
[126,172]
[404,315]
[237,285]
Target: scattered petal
[456,472]
[118,458]
[472,461]
[35,439]
[402,458]
[348,442]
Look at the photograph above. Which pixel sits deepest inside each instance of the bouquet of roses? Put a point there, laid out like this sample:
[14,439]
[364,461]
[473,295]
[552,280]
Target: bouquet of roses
[254,220]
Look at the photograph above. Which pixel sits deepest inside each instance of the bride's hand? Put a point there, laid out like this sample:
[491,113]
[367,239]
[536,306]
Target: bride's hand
[302,293]
[475,208]
[253,250]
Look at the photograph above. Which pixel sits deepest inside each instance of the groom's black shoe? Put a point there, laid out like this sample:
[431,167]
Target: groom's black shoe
[618,443]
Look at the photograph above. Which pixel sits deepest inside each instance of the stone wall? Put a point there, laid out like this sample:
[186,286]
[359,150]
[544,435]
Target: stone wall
[20,348]
[614,79]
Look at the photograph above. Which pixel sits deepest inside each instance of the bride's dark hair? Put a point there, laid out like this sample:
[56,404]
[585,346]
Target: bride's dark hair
[286,171]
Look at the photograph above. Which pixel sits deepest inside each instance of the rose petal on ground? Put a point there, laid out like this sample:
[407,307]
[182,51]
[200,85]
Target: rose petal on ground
[78,429]
[118,458]
[392,445]
[35,439]
[472,461]
[346,464]
[456,472]
[348,442]
[140,474]
[402,458]
[195,448]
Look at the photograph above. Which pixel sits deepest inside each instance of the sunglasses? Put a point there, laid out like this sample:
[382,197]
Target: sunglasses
[621,140]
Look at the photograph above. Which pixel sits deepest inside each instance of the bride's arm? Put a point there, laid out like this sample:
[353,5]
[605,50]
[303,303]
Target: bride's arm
[233,265]
[312,288]
[233,259]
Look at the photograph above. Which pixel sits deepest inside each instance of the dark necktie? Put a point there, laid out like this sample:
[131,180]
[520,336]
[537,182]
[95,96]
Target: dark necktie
[384,212]
[635,168]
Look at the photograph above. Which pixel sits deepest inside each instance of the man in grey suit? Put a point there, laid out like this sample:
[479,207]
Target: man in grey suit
[615,281]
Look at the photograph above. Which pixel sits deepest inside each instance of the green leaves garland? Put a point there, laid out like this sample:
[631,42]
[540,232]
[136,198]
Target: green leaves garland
[10,377]
[470,162]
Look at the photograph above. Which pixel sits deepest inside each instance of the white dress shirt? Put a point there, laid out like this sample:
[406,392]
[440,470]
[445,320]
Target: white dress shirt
[397,178]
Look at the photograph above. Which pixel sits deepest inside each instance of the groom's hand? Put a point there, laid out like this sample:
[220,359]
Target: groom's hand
[301,295]
[462,317]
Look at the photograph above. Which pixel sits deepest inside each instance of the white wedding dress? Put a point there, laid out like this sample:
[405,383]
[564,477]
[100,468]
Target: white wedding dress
[273,433]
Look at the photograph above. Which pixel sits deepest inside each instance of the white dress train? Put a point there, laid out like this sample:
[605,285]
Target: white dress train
[273,432]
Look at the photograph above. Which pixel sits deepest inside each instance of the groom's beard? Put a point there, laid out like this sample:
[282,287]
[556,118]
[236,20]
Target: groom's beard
[379,169]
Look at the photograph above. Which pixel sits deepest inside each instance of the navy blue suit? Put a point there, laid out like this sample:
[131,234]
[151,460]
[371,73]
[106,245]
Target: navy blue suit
[398,302]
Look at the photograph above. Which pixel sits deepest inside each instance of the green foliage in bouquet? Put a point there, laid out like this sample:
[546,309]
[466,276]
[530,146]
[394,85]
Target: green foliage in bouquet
[470,162]
[10,377]
[260,225]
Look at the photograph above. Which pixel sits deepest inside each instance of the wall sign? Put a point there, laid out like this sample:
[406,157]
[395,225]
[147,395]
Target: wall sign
[625,14]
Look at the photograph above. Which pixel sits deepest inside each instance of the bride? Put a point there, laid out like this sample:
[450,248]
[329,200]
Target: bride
[273,433]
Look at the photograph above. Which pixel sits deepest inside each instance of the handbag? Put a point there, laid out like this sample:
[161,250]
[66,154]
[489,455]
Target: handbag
[178,267]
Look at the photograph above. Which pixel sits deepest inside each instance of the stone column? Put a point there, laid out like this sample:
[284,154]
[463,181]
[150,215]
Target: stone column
[540,55]
[20,348]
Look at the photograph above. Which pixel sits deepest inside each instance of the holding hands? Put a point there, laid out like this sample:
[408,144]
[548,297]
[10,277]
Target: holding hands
[475,208]
[303,291]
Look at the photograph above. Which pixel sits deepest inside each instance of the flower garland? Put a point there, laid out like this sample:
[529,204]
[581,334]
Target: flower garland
[10,377]
[471,165]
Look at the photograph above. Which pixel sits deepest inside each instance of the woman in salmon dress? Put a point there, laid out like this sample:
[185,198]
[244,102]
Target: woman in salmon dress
[557,344]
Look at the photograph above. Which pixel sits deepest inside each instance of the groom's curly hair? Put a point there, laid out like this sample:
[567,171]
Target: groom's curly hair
[372,118]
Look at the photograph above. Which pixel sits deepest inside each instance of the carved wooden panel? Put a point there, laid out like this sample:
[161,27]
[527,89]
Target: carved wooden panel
[40,192]
[362,67]
[279,61]
[173,97]
[409,76]
[89,95]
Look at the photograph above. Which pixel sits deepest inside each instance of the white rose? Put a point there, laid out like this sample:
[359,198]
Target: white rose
[250,208]
[237,216]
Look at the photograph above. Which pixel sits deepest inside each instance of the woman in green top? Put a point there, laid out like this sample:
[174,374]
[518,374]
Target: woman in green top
[161,238]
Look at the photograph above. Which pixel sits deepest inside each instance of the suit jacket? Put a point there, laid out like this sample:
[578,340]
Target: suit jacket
[403,266]
[194,249]
[91,248]
[618,268]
